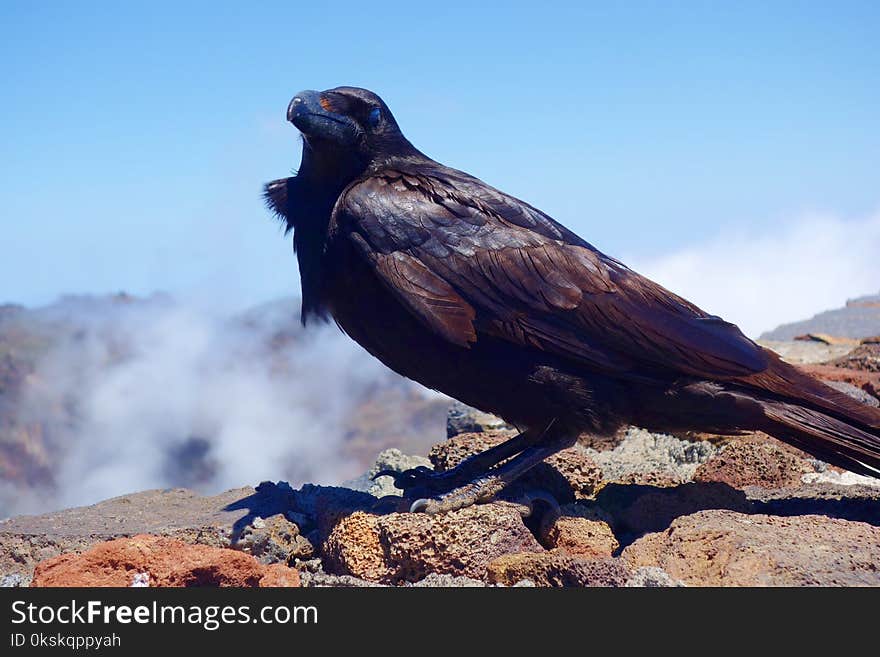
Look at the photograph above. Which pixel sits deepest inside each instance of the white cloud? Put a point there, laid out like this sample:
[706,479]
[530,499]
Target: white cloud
[789,272]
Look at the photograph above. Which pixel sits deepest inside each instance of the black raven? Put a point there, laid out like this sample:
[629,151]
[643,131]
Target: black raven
[475,293]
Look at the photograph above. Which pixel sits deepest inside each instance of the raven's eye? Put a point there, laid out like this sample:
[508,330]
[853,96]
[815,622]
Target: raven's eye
[374,117]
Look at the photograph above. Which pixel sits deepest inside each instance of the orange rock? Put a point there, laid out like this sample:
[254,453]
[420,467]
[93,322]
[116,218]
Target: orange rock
[280,576]
[580,536]
[866,380]
[353,548]
[725,548]
[556,568]
[160,561]
[754,463]
[406,547]
[451,452]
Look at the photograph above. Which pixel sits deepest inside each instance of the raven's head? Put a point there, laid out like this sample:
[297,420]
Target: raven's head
[348,125]
[346,131]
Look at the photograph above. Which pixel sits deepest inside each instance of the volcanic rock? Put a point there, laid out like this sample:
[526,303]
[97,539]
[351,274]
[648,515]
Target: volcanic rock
[579,530]
[743,463]
[724,548]
[556,568]
[406,547]
[146,560]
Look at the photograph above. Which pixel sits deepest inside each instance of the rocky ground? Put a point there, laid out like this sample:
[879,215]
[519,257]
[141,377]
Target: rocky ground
[643,510]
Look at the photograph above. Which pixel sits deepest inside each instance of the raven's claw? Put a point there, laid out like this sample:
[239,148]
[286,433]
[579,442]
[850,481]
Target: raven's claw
[420,505]
[478,491]
[412,478]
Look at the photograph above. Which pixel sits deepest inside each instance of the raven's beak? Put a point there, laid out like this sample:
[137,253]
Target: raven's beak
[316,122]
[303,103]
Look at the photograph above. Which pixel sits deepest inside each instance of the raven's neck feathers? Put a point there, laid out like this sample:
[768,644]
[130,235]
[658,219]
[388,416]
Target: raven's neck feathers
[304,203]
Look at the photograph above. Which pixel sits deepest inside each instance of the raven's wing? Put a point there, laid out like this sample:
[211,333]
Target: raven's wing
[469,260]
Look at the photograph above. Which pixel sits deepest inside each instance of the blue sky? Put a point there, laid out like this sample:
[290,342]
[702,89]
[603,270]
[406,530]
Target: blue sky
[136,139]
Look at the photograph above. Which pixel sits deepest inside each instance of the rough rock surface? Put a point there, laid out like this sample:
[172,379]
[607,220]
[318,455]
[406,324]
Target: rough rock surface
[743,463]
[354,548]
[649,458]
[651,577]
[579,530]
[14,581]
[406,547]
[556,568]
[449,453]
[724,548]
[145,560]
[449,581]
[864,358]
[274,540]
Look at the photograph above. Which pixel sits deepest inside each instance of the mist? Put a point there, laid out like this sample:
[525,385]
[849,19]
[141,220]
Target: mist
[151,394]
[789,272]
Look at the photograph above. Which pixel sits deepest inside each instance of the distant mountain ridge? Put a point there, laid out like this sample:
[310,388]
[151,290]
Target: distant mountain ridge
[859,318]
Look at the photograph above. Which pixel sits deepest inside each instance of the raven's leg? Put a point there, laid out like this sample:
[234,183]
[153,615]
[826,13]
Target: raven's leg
[424,481]
[485,487]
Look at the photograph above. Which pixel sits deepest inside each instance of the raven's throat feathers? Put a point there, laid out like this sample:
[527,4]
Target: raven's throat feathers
[307,217]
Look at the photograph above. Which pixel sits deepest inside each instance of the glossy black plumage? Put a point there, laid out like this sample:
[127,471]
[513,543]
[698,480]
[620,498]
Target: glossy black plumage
[468,290]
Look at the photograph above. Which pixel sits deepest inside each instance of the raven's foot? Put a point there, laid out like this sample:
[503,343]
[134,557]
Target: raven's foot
[480,490]
[485,487]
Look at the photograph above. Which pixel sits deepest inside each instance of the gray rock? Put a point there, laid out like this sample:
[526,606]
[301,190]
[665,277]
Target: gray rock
[390,459]
[462,418]
[840,479]
[15,580]
[652,577]
[274,540]
[854,392]
[441,580]
[140,580]
[325,580]
[642,452]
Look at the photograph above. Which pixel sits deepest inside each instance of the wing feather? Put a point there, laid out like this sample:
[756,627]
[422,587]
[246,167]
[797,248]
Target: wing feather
[468,259]
[427,295]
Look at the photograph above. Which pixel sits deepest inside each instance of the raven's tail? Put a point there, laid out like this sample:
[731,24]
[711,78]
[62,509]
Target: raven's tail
[820,420]
[825,437]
